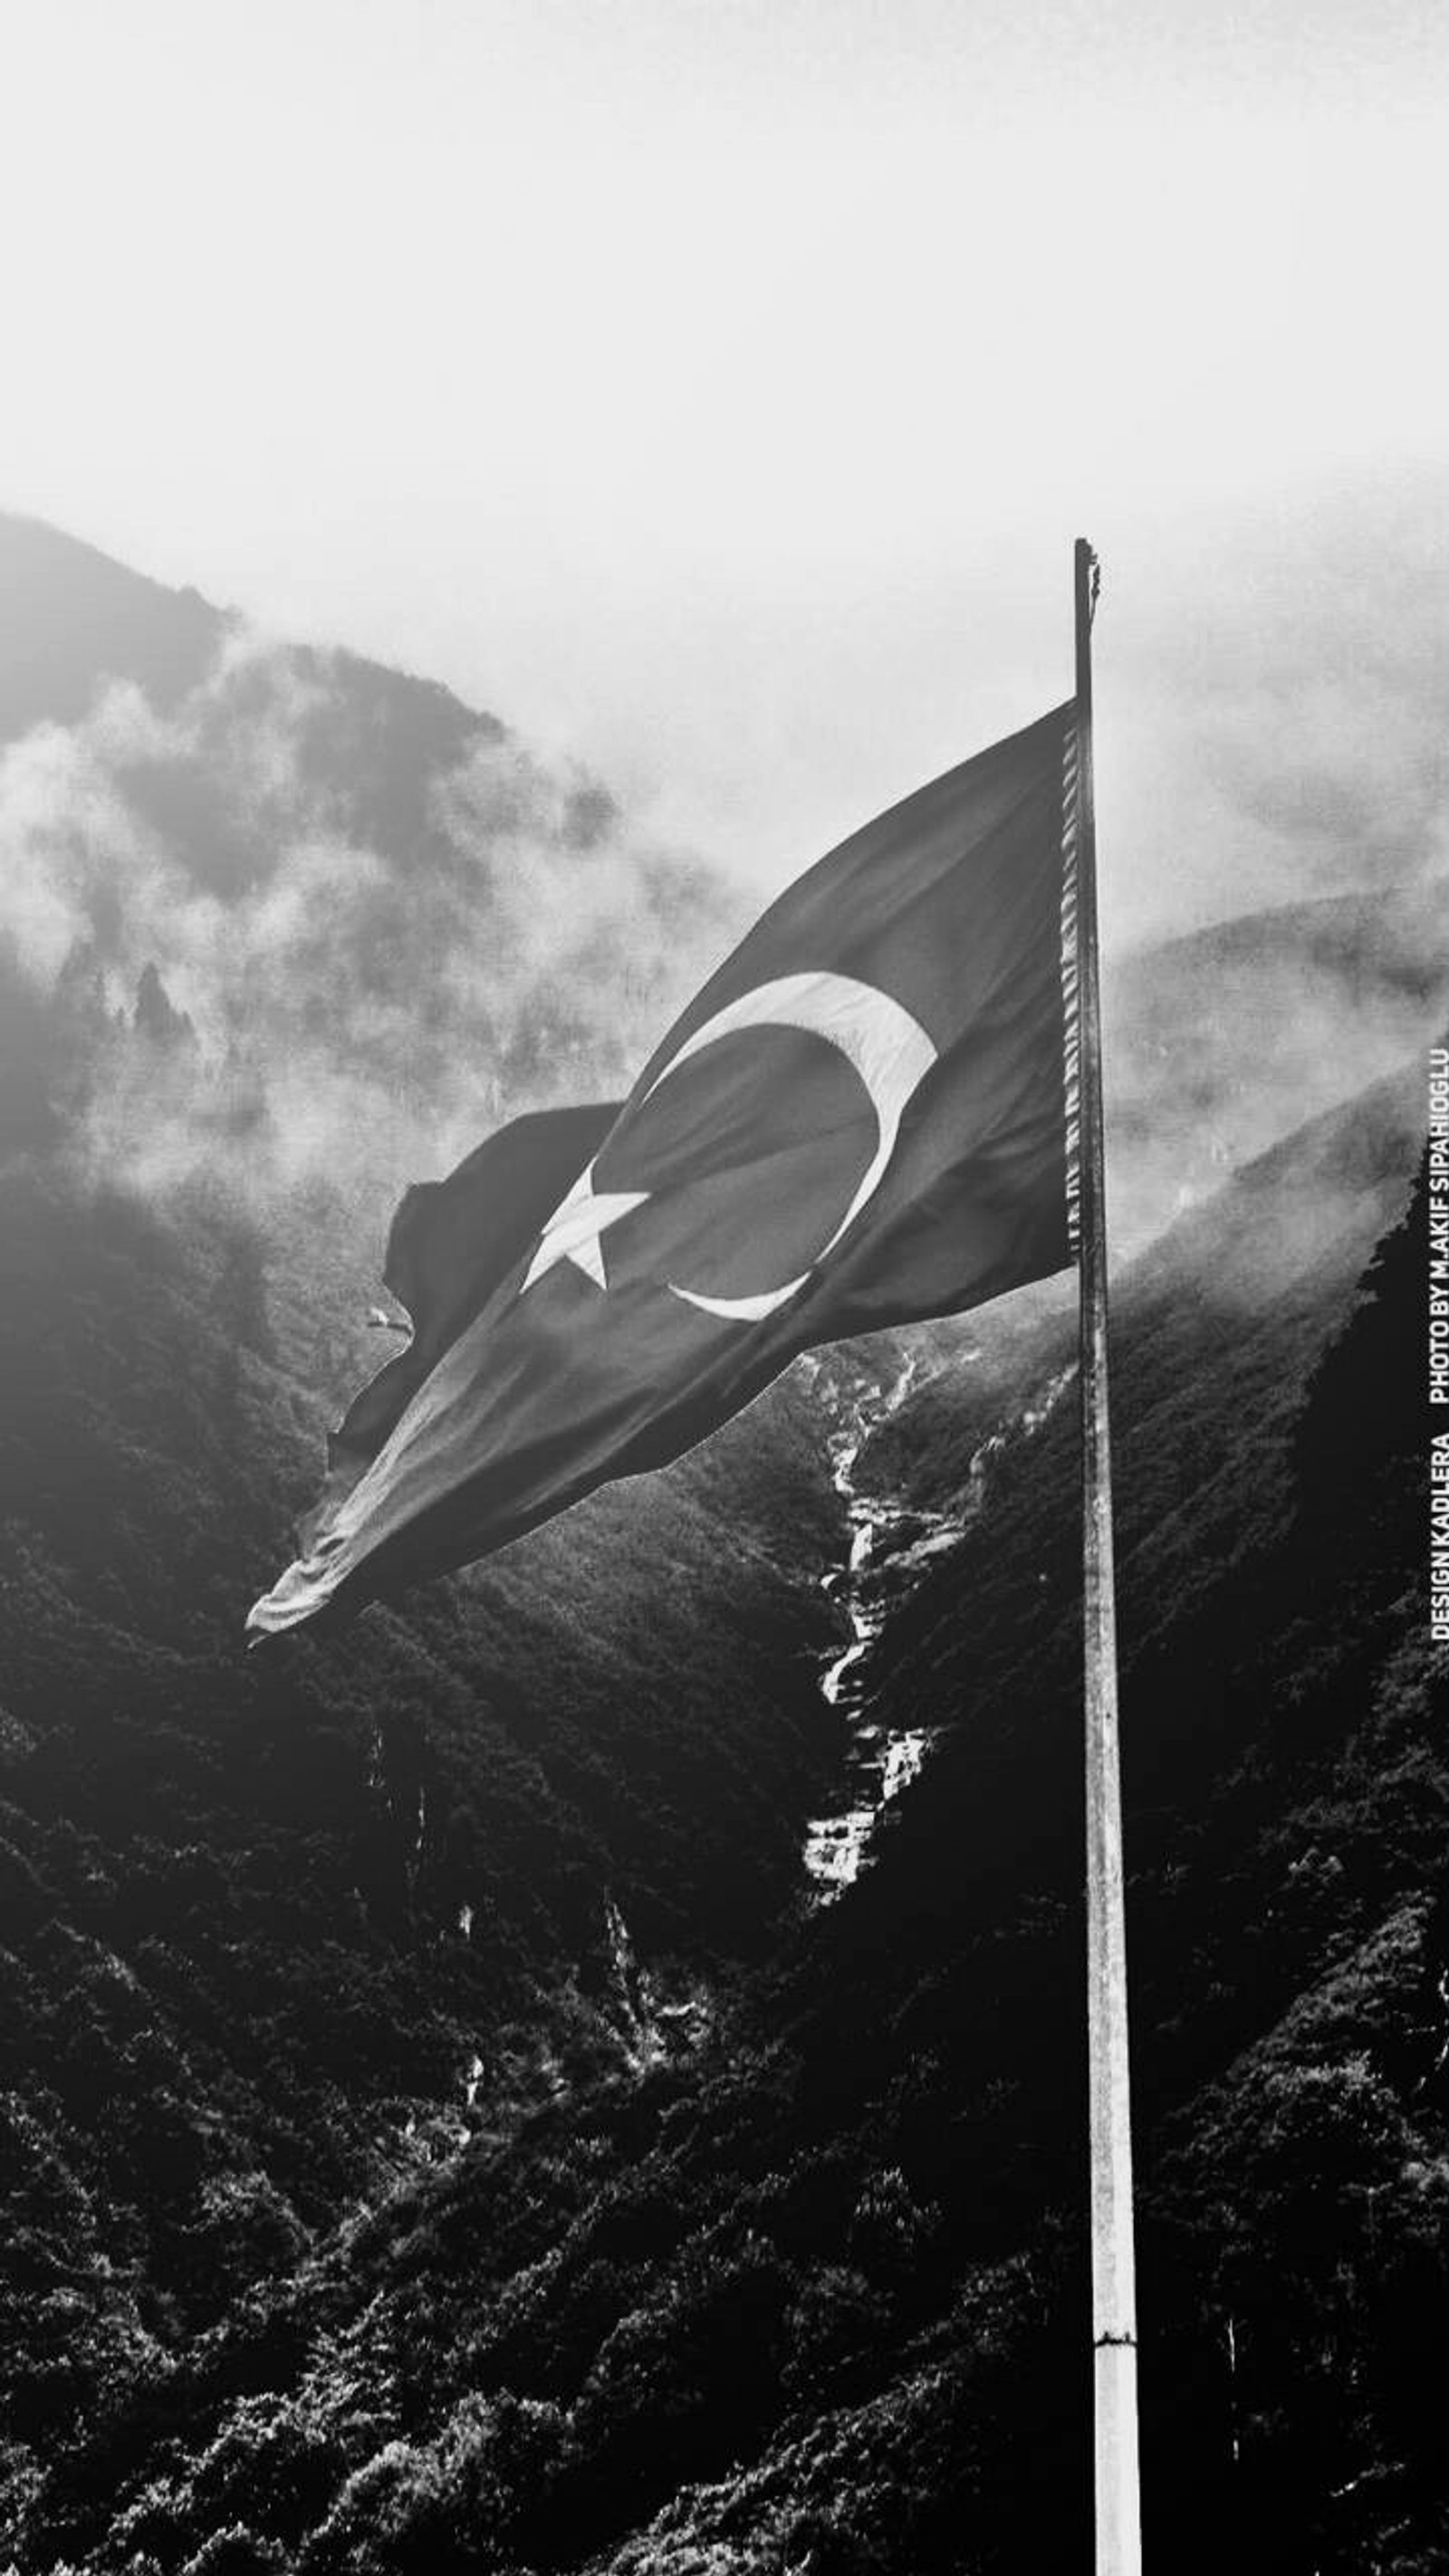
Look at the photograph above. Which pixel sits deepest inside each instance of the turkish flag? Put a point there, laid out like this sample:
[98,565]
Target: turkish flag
[865,1117]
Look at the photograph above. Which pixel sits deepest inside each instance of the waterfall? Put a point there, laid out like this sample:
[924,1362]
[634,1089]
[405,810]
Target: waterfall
[889,1545]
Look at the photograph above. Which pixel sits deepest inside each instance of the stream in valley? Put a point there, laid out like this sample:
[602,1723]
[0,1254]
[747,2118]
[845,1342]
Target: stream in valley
[890,1546]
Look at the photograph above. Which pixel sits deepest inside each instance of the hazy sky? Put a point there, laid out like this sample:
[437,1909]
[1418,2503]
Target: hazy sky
[715,390]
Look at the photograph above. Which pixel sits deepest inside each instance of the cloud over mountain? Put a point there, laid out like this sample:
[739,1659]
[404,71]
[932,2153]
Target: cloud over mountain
[386,923]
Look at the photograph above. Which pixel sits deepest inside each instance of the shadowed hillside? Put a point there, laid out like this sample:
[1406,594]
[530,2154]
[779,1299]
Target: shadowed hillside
[267,1919]
[867,2176]
[439,2132]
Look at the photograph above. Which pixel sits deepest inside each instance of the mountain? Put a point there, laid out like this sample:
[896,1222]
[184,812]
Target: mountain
[288,846]
[267,1919]
[75,619]
[862,2166]
[1223,1041]
[442,2128]
[79,623]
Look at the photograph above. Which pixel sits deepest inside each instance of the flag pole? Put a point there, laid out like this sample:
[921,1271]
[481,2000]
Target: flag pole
[1114,2304]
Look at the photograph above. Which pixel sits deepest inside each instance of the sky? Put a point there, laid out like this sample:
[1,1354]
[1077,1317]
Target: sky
[715,391]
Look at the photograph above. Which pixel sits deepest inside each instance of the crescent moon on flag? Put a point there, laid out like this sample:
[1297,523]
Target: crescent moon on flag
[889,1050]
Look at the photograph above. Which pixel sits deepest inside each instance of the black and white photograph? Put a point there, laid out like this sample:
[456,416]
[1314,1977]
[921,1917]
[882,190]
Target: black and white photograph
[724,1288]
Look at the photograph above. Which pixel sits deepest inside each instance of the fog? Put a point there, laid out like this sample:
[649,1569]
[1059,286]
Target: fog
[329,1005]
[714,397]
[716,393]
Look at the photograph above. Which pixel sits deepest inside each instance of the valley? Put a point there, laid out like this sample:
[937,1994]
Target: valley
[582,2070]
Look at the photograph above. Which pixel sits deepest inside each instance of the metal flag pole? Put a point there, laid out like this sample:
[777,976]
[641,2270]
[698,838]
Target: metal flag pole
[1114,2300]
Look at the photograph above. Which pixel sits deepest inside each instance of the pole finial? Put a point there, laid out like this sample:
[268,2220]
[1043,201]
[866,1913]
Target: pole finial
[1089,574]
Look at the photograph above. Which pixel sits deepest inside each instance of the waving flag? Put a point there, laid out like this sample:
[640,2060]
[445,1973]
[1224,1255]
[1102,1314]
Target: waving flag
[864,1118]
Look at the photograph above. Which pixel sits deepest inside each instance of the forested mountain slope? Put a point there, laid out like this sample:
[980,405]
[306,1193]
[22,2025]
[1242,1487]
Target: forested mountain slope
[266,1917]
[437,2130]
[1223,1041]
[811,2293]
